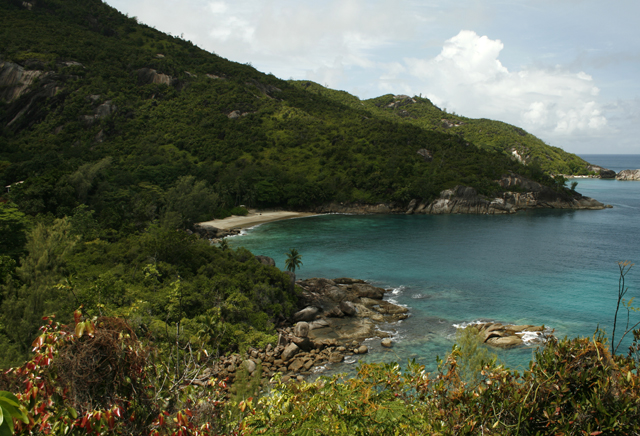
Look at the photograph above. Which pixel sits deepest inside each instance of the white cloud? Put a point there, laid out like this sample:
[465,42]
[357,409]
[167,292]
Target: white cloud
[468,77]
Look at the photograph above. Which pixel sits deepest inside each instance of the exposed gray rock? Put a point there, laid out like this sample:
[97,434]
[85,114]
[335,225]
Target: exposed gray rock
[628,175]
[318,324]
[266,260]
[148,76]
[290,351]
[464,199]
[368,291]
[296,365]
[249,365]
[425,154]
[309,313]
[604,173]
[15,80]
[301,329]
[348,308]
[336,357]
[105,109]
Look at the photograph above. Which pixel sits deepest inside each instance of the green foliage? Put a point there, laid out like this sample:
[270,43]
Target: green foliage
[162,277]
[216,134]
[13,228]
[379,400]
[472,355]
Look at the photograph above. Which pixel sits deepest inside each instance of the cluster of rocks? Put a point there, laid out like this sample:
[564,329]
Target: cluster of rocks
[605,173]
[345,309]
[335,317]
[294,358]
[509,335]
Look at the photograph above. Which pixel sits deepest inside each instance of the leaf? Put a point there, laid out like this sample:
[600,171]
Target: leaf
[80,329]
[6,429]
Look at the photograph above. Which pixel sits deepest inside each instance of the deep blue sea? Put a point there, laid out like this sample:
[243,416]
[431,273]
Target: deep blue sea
[557,268]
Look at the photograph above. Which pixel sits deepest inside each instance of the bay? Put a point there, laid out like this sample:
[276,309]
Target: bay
[557,268]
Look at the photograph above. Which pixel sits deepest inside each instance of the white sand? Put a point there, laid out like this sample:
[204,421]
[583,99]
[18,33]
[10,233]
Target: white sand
[252,219]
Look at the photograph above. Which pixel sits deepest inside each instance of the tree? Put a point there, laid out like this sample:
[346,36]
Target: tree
[13,227]
[573,185]
[624,268]
[293,260]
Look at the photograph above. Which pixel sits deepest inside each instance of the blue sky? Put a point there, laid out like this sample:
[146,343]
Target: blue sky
[565,70]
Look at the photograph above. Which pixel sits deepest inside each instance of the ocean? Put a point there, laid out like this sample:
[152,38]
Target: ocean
[556,268]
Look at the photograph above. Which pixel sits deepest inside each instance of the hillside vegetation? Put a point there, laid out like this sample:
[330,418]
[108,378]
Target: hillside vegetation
[116,138]
[98,109]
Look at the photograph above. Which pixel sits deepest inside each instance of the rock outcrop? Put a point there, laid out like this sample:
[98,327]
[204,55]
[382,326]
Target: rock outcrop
[519,193]
[509,335]
[628,175]
[603,173]
[345,310]
[148,76]
[15,80]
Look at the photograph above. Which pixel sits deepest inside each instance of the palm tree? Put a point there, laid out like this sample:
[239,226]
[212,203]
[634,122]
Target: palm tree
[293,260]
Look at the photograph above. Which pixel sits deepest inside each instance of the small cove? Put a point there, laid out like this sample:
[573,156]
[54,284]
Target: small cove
[557,268]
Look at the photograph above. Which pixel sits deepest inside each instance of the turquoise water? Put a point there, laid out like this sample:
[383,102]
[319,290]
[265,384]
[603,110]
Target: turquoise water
[557,268]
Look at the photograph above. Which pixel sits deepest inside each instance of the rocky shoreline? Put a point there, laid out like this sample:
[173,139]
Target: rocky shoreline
[335,317]
[604,173]
[518,193]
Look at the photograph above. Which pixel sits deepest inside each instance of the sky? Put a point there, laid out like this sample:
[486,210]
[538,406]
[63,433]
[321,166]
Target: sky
[566,71]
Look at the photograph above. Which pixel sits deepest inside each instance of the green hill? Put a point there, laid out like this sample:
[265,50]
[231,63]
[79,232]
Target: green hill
[98,109]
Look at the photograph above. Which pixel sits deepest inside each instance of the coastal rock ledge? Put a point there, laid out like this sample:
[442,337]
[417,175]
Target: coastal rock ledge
[345,310]
[519,193]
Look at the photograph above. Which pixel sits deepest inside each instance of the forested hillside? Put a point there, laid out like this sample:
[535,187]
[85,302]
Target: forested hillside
[116,138]
[98,109]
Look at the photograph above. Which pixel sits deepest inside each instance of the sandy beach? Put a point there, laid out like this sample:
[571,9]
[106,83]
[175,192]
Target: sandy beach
[252,219]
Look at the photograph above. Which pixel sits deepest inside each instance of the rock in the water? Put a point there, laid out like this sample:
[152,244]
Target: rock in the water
[249,365]
[307,314]
[386,342]
[505,342]
[301,329]
[628,175]
[363,349]
[290,351]
[368,291]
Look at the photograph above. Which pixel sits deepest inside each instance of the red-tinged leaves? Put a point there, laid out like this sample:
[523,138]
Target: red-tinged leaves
[38,342]
[595,433]
[77,315]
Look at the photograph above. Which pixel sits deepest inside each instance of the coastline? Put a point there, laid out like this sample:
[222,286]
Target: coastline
[252,219]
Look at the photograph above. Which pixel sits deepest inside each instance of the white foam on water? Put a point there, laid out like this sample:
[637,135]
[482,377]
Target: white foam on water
[464,325]
[534,338]
[350,360]
[398,291]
